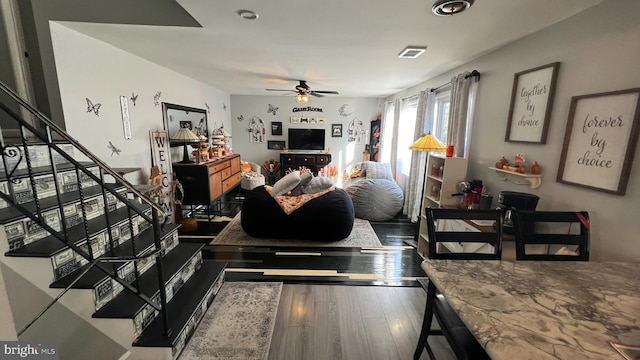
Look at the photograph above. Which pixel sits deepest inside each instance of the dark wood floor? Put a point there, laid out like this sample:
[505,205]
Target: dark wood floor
[397,264]
[370,308]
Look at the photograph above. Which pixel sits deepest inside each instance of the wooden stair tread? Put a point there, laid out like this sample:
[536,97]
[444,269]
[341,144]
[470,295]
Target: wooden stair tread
[43,170]
[50,245]
[182,306]
[142,241]
[127,305]
[10,214]
[91,279]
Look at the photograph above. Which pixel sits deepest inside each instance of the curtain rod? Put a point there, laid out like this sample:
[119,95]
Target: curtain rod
[474,73]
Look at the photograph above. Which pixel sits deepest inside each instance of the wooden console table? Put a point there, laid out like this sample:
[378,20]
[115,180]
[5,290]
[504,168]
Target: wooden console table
[312,161]
[206,182]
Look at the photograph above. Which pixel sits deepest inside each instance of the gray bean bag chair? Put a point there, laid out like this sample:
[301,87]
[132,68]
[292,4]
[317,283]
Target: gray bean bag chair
[374,198]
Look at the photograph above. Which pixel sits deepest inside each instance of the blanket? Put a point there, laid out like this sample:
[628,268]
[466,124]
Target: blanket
[290,204]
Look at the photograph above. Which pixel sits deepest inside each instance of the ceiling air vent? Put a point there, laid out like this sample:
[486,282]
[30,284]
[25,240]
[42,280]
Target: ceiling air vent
[412,52]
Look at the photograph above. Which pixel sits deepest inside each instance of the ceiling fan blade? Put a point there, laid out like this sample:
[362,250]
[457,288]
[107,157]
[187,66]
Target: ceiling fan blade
[279,90]
[325,92]
[313,93]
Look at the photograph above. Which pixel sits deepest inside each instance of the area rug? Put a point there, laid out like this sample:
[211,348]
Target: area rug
[239,323]
[362,235]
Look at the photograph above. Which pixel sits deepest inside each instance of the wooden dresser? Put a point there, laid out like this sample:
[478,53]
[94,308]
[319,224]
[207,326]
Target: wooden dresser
[206,182]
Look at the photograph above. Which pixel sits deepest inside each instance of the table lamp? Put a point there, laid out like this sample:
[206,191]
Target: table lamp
[185,136]
[427,143]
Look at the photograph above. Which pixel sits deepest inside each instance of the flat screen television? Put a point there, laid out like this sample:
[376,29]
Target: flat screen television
[306,139]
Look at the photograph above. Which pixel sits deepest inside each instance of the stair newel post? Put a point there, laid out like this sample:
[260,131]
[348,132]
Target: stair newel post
[163,292]
[9,151]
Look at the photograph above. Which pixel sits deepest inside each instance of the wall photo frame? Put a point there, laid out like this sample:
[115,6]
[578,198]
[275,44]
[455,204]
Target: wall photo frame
[275,144]
[276,128]
[600,141]
[531,102]
[336,130]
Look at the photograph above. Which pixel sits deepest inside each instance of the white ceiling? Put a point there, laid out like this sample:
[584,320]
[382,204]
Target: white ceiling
[346,45]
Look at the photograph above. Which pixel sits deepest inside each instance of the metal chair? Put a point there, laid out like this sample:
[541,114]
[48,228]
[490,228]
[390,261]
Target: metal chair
[461,340]
[555,231]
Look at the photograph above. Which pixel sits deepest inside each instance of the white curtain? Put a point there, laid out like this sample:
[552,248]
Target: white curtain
[424,122]
[461,112]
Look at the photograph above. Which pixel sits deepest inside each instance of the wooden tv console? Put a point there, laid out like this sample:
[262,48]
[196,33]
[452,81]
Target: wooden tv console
[314,161]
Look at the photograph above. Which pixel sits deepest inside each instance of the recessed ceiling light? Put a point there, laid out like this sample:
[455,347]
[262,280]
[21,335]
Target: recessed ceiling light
[451,7]
[247,14]
[412,52]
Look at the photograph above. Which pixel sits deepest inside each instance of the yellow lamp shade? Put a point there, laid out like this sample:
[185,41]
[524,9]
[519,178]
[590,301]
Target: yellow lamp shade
[428,143]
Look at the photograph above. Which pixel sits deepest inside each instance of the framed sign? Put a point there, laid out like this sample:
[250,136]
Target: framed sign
[276,128]
[531,103]
[275,145]
[600,140]
[336,130]
[161,157]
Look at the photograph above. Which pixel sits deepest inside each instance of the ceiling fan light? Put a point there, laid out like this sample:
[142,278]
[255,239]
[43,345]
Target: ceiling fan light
[302,98]
[451,7]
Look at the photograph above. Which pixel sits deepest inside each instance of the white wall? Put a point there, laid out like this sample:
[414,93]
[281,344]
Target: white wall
[599,51]
[343,153]
[8,330]
[88,68]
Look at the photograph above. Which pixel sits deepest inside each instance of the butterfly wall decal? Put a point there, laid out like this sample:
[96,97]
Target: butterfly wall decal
[156,98]
[114,149]
[272,109]
[134,98]
[224,106]
[240,118]
[91,107]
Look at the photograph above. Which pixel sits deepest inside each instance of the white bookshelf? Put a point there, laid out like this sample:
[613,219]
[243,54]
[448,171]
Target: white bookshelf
[441,182]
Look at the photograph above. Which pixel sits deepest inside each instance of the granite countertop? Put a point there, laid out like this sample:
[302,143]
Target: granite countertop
[543,310]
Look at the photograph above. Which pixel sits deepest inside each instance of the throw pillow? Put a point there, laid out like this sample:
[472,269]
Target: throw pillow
[376,170]
[317,184]
[305,178]
[286,184]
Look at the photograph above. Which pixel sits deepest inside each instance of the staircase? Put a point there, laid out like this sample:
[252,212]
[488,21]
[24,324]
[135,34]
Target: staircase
[102,250]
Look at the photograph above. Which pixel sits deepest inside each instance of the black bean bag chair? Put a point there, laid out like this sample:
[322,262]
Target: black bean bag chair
[326,218]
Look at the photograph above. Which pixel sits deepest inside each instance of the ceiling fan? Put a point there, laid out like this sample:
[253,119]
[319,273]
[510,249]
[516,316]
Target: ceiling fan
[302,91]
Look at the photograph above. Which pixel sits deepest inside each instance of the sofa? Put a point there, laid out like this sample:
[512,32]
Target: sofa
[374,193]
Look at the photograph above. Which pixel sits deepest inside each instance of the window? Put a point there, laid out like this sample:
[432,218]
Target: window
[387,133]
[441,116]
[406,130]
